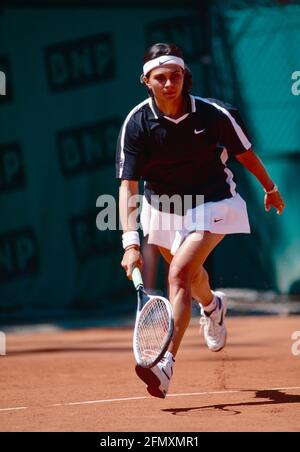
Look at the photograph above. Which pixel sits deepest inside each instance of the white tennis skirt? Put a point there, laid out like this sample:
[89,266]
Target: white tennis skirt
[168,230]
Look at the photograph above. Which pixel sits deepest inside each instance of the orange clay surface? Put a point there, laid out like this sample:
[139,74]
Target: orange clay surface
[84,380]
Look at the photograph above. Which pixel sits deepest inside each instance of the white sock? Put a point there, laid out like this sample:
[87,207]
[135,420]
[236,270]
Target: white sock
[211,306]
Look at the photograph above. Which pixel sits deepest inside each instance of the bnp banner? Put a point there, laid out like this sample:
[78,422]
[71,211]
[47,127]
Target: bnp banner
[68,79]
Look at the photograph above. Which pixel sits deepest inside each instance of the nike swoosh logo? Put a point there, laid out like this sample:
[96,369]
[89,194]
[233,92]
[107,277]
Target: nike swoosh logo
[196,132]
[216,221]
[164,62]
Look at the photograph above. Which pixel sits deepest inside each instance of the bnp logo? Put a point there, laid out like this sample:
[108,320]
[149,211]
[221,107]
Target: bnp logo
[2,84]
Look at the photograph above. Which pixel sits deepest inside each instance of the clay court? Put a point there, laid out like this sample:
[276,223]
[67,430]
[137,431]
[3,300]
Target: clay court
[84,380]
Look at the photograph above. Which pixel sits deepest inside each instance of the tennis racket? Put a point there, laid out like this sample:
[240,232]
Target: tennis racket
[154,325]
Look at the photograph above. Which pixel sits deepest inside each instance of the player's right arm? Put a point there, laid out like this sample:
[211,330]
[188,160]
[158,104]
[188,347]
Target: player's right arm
[129,167]
[128,210]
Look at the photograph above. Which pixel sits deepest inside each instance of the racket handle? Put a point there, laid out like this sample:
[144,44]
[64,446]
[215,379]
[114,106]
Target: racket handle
[137,278]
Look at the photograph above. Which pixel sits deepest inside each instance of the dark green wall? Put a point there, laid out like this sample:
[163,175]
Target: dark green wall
[72,75]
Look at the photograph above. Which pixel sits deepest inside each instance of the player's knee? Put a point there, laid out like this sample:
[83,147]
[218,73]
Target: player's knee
[179,276]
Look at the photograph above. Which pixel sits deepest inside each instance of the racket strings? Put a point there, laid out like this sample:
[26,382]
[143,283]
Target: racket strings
[152,329]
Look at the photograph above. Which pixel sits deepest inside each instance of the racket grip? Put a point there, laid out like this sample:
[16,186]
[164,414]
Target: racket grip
[137,278]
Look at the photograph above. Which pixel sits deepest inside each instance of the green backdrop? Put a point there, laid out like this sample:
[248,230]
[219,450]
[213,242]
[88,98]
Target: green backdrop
[72,76]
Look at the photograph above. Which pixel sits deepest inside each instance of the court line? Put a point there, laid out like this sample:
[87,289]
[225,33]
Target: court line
[15,409]
[126,399]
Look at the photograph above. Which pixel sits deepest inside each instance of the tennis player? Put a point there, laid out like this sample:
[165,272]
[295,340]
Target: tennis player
[179,144]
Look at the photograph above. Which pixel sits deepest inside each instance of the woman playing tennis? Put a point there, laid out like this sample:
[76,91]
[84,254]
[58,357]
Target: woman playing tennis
[179,145]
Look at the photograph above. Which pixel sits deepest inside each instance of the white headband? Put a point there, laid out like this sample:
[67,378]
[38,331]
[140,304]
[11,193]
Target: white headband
[159,61]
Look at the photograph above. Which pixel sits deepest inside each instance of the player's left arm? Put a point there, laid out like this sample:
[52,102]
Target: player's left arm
[253,163]
[232,134]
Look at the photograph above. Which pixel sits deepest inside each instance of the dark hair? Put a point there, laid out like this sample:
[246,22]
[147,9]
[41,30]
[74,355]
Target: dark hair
[159,49]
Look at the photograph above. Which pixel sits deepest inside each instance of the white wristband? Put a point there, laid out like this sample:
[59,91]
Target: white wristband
[273,190]
[130,238]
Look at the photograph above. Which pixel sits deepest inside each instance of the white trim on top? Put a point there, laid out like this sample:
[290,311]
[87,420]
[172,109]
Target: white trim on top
[229,179]
[151,103]
[176,121]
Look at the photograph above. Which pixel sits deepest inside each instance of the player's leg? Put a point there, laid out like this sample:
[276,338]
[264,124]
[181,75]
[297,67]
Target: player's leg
[213,305]
[151,256]
[183,268]
[201,290]
[158,377]
[166,254]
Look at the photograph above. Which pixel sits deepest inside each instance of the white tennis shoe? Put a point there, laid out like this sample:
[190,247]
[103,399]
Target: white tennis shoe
[158,377]
[213,324]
